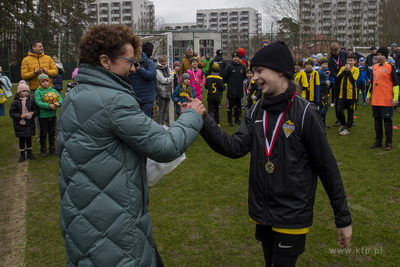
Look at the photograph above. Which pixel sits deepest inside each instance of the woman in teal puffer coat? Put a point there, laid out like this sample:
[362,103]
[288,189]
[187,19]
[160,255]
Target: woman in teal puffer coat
[103,143]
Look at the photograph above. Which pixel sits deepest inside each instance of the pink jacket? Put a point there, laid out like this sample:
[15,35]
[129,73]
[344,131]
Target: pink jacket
[197,81]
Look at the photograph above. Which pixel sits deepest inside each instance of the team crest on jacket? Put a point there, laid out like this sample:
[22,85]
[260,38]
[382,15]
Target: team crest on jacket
[288,128]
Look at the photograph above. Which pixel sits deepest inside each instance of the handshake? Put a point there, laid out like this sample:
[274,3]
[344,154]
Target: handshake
[194,104]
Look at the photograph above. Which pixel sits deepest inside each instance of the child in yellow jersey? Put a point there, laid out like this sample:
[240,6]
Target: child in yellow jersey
[312,92]
[182,91]
[346,80]
[300,76]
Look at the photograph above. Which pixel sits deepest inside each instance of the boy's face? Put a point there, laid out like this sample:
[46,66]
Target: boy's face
[45,83]
[375,61]
[249,75]
[269,80]
[186,81]
[24,93]
[381,58]
[351,62]
[235,60]
[195,64]
[309,66]
[177,68]
[324,65]
[362,63]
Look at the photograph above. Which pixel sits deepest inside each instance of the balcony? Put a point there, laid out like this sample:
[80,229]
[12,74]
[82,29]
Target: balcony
[372,23]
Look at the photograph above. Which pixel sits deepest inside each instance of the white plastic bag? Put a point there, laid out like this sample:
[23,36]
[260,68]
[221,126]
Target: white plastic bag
[156,170]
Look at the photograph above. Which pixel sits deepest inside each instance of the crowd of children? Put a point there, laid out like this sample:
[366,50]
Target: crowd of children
[344,75]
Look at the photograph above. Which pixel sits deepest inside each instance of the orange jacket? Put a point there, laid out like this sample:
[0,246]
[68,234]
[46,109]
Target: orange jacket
[34,61]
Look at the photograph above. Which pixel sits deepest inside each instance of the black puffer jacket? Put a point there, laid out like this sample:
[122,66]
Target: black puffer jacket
[285,198]
[28,129]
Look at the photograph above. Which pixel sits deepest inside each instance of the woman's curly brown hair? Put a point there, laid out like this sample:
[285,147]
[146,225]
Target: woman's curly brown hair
[107,40]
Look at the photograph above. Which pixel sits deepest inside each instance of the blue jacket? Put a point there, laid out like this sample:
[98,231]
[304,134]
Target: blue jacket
[144,80]
[322,79]
[102,145]
[176,97]
[363,75]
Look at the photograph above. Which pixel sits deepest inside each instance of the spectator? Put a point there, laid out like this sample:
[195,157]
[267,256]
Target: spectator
[165,78]
[105,219]
[220,60]
[143,80]
[265,43]
[395,55]
[369,59]
[57,80]
[185,64]
[243,58]
[177,58]
[207,60]
[5,86]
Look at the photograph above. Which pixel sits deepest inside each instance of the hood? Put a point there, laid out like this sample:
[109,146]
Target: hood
[241,52]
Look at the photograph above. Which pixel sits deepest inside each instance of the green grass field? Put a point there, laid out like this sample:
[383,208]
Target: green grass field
[199,211]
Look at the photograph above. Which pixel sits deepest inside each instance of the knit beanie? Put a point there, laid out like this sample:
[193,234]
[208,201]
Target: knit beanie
[215,67]
[384,51]
[74,73]
[176,64]
[193,59]
[323,60]
[235,54]
[185,76]
[267,42]
[147,48]
[219,52]
[275,56]
[22,86]
[42,76]
[309,61]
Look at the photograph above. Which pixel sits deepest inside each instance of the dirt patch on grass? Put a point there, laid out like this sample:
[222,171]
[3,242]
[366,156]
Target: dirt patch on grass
[13,194]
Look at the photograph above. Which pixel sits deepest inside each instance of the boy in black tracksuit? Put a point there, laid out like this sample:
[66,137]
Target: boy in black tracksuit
[280,131]
[233,75]
[215,86]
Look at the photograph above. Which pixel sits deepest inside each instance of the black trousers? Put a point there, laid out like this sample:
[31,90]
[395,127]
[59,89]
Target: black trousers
[348,104]
[388,124]
[47,127]
[280,249]
[236,105]
[213,110]
[25,142]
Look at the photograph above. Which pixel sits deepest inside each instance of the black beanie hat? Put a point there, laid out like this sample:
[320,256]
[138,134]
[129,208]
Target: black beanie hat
[235,54]
[147,48]
[384,51]
[275,56]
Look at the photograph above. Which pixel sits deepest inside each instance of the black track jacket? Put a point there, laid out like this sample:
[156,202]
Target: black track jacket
[285,198]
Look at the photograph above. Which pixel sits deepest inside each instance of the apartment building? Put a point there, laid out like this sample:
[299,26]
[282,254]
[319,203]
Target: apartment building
[138,14]
[351,22]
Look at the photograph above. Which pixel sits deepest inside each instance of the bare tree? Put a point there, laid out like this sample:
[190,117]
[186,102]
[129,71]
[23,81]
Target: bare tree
[283,9]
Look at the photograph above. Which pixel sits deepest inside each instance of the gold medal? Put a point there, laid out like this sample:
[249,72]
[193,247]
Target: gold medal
[269,167]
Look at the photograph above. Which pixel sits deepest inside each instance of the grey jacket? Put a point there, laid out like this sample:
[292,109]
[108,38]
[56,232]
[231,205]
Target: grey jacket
[103,143]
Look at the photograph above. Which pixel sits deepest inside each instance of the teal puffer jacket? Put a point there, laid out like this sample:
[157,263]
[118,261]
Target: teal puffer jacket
[103,143]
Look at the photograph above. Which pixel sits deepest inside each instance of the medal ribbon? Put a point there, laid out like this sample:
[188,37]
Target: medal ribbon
[269,146]
[376,80]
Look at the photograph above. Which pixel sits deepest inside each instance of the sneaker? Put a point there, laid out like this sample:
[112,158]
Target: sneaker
[326,127]
[376,145]
[364,104]
[230,123]
[237,122]
[344,132]
[53,151]
[332,104]
[341,128]
[388,147]
[337,124]
[43,153]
